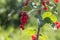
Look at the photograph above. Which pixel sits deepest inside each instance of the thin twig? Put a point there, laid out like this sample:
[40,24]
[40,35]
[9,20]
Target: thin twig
[38,32]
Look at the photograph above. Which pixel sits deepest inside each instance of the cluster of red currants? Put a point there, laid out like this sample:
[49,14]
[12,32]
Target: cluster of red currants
[47,1]
[57,25]
[23,19]
[44,4]
[24,16]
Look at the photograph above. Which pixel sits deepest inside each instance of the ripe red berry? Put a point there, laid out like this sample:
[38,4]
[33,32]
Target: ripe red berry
[45,8]
[33,37]
[24,19]
[26,3]
[57,25]
[44,4]
[56,1]
[22,26]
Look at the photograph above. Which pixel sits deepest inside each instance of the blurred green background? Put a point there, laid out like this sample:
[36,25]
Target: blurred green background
[9,23]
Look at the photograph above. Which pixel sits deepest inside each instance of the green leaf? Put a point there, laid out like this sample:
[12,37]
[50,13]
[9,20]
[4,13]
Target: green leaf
[53,18]
[44,37]
[15,16]
[46,14]
[47,20]
[30,31]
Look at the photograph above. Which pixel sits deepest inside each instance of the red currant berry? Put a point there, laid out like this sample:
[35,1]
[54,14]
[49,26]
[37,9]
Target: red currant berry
[56,23]
[56,1]
[44,4]
[22,26]
[33,37]
[45,8]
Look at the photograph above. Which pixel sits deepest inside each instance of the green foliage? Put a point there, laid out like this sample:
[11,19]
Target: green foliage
[11,23]
[48,31]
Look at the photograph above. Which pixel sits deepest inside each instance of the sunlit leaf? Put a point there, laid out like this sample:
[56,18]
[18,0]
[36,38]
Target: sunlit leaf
[53,18]
[46,14]
[49,15]
[43,37]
